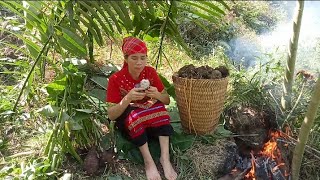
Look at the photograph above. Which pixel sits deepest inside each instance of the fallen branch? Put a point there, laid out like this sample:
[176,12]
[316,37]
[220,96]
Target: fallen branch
[236,175]
[307,146]
[241,175]
[243,135]
[308,149]
[295,105]
[274,99]
[21,154]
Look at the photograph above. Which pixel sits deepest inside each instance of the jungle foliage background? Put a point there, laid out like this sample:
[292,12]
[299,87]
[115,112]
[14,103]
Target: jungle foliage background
[56,57]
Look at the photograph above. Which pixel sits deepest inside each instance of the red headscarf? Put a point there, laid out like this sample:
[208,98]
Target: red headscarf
[132,45]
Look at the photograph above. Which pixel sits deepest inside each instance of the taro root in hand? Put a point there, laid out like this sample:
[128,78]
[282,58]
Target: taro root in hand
[144,83]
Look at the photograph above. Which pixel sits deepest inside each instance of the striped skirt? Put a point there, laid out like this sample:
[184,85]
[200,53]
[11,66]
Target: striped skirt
[138,124]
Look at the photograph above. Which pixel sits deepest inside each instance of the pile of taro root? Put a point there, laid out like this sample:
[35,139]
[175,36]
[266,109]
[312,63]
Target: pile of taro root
[203,72]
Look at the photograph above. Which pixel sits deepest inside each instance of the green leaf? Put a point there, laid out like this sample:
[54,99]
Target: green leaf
[177,127]
[122,11]
[56,87]
[73,42]
[33,51]
[92,27]
[164,80]
[33,12]
[197,4]
[49,110]
[98,93]
[96,16]
[222,131]
[171,91]
[74,125]
[182,141]
[115,177]
[108,69]
[13,9]
[101,11]
[129,151]
[83,34]
[79,116]
[64,116]
[1,143]
[125,11]
[201,15]
[106,141]
[135,9]
[92,30]
[169,87]
[33,48]
[173,112]
[225,5]
[150,10]
[216,8]
[200,24]
[176,35]
[84,110]
[112,16]
[101,81]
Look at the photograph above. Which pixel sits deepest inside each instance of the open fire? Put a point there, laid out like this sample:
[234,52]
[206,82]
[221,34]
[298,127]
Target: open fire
[268,164]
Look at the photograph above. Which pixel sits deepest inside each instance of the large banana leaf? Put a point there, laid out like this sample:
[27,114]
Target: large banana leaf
[109,19]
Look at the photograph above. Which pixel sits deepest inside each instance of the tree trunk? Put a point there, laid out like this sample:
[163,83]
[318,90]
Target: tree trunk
[291,57]
[305,131]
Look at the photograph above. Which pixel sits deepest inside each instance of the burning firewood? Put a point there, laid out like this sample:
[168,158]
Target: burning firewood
[275,170]
[235,174]
[269,163]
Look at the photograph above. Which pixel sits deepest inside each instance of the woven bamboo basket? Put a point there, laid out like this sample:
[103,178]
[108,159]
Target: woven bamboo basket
[200,103]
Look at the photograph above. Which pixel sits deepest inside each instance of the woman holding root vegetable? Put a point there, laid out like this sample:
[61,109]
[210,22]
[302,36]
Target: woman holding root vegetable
[138,97]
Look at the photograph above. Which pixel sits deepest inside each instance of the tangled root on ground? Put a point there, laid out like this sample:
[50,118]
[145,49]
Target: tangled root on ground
[213,160]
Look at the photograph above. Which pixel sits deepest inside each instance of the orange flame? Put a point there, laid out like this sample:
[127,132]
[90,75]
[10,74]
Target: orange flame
[271,150]
[271,146]
[251,173]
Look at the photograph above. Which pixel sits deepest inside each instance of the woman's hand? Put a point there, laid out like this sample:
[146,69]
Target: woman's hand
[136,94]
[153,92]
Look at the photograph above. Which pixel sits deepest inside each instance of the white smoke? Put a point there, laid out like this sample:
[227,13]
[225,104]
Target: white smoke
[278,40]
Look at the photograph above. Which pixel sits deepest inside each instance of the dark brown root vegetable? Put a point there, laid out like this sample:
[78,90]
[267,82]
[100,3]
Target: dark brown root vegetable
[224,71]
[107,156]
[203,72]
[91,162]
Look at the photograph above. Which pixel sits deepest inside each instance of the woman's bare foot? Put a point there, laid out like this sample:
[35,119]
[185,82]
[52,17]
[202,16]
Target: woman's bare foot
[152,171]
[169,172]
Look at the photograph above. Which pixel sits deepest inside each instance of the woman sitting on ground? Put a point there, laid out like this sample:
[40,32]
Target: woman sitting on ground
[139,109]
